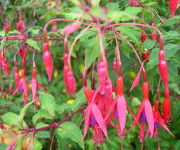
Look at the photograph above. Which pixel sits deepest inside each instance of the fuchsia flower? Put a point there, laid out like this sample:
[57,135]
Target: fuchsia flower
[134,3]
[23,51]
[119,107]
[48,60]
[7,27]
[4,63]
[159,121]
[35,86]
[20,25]
[145,112]
[71,28]
[143,36]
[69,80]
[93,116]
[173,5]
[94,113]
[22,86]
[163,68]
[16,76]
[102,70]
[166,105]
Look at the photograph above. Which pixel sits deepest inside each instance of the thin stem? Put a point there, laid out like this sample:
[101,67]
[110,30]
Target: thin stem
[61,19]
[75,40]
[52,140]
[142,146]
[137,24]
[54,125]
[34,64]
[143,69]
[100,41]
[35,39]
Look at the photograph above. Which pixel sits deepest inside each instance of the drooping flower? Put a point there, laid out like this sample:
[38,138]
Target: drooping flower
[35,86]
[102,71]
[20,25]
[94,116]
[4,63]
[134,3]
[48,60]
[22,86]
[173,5]
[166,105]
[7,27]
[163,68]
[145,112]
[119,107]
[71,28]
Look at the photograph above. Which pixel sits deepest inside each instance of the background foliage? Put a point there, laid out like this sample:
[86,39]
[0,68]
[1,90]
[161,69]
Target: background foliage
[56,105]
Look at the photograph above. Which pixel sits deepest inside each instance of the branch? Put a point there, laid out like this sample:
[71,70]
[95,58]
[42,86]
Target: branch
[54,125]
[36,39]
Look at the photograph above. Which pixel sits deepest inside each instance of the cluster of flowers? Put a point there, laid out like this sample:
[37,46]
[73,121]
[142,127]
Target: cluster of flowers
[20,75]
[103,107]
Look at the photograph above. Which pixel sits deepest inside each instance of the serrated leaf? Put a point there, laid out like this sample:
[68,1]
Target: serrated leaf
[47,103]
[33,44]
[71,131]
[41,114]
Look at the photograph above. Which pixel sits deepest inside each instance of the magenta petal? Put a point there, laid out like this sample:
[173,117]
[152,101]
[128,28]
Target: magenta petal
[149,116]
[135,81]
[87,120]
[34,88]
[138,115]
[121,108]
[99,118]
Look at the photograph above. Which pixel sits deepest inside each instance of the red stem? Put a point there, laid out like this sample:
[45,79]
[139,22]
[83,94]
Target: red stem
[36,39]
[54,125]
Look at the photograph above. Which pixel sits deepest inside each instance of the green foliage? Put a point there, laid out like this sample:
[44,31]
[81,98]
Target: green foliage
[71,131]
[54,107]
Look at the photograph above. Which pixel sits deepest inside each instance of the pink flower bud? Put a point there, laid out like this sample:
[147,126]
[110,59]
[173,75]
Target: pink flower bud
[163,68]
[48,61]
[71,28]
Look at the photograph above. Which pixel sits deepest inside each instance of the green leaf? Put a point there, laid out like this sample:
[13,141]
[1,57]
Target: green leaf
[92,51]
[19,143]
[10,118]
[23,111]
[149,44]
[47,103]
[42,134]
[80,99]
[130,32]
[71,131]
[95,3]
[170,50]
[133,10]
[75,2]
[2,33]
[36,144]
[41,114]
[33,44]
